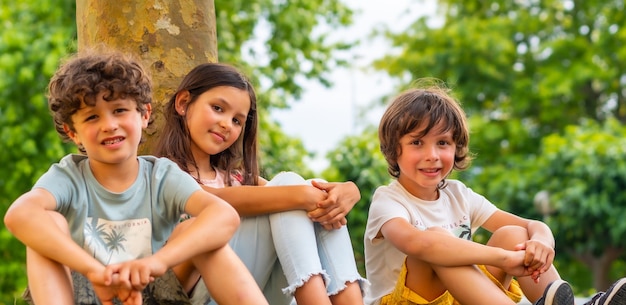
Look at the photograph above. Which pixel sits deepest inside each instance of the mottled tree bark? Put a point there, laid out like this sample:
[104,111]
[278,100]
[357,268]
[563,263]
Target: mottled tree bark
[169,36]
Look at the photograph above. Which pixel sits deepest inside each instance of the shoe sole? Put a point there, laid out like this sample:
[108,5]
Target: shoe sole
[559,293]
[617,296]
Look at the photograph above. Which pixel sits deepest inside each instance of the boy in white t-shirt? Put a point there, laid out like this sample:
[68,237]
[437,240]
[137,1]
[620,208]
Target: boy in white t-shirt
[418,247]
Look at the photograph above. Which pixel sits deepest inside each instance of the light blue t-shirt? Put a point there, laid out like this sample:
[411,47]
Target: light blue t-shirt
[117,227]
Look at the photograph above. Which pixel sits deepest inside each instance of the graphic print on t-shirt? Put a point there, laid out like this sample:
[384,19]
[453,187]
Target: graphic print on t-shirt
[460,228]
[112,242]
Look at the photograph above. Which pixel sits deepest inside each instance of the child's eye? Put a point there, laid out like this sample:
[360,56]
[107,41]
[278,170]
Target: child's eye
[444,142]
[91,118]
[416,142]
[237,121]
[120,110]
[217,108]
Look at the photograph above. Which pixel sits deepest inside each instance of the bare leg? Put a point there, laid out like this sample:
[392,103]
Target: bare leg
[431,281]
[312,292]
[227,278]
[48,281]
[186,272]
[351,295]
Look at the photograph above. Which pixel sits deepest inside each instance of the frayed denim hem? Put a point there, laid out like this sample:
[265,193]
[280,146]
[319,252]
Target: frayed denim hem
[363,284]
[292,288]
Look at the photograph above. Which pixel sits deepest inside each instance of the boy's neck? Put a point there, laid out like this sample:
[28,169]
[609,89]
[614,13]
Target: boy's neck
[115,177]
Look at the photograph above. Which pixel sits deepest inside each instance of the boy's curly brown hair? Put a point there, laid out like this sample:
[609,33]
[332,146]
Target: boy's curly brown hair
[83,76]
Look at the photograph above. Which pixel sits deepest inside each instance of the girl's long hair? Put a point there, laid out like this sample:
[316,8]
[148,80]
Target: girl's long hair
[240,159]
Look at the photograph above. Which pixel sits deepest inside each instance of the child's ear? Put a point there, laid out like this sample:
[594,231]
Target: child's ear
[182,100]
[145,117]
[70,133]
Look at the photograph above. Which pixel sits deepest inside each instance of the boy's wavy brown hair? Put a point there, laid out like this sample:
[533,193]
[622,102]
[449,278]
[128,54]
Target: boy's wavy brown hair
[415,107]
[83,76]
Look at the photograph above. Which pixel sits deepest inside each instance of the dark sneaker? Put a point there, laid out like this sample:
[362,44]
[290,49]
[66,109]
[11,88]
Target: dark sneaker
[615,295]
[558,292]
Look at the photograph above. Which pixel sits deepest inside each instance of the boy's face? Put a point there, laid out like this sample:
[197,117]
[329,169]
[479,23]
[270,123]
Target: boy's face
[425,161]
[110,131]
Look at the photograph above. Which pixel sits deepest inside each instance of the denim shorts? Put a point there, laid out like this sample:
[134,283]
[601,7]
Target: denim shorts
[165,289]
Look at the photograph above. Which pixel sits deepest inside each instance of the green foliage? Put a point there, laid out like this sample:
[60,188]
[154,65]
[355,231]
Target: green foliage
[358,159]
[37,34]
[279,152]
[588,192]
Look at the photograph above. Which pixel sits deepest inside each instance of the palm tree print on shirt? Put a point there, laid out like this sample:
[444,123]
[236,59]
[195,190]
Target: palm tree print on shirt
[112,242]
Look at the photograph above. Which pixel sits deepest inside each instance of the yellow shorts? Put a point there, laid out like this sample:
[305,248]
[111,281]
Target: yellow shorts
[401,295]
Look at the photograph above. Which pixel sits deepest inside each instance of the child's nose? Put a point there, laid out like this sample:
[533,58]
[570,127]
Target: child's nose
[432,153]
[226,123]
[109,123]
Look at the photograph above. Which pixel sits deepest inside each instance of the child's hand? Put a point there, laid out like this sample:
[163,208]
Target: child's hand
[538,258]
[514,264]
[107,290]
[136,274]
[332,211]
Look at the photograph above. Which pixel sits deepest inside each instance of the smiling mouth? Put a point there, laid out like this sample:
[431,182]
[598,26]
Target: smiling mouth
[112,141]
[219,135]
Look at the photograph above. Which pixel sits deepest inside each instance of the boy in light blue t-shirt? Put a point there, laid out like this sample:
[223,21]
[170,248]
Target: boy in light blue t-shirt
[102,227]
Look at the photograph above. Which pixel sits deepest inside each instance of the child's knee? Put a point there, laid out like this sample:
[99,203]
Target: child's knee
[508,236]
[287,178]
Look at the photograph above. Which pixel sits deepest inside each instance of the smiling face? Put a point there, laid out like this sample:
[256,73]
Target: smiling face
[110,132]
[425,160]
[215,120]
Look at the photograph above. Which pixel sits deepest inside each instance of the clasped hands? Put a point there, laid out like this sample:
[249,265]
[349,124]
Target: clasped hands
[531,258]
[338,200]
[125,281]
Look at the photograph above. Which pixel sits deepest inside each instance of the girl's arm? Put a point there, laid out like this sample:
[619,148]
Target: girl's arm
[29,220]
[441,248]
[251,200]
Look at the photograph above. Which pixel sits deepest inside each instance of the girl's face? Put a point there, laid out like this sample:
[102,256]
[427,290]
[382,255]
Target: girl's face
[110,131]
[425,161]
[216,119]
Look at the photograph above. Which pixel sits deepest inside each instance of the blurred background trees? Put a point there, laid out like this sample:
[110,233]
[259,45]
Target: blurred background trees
[542,83]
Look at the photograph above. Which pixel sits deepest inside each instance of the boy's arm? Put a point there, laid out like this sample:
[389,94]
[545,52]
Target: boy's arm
[250,200]
[540,246]
[441,248]
[30,221]
[215,223]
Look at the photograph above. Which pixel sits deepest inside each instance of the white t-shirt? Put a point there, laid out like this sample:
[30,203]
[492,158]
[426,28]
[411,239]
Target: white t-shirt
[458,210]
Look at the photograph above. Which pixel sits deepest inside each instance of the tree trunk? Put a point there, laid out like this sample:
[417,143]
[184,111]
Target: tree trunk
[600,266]
[170,37]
